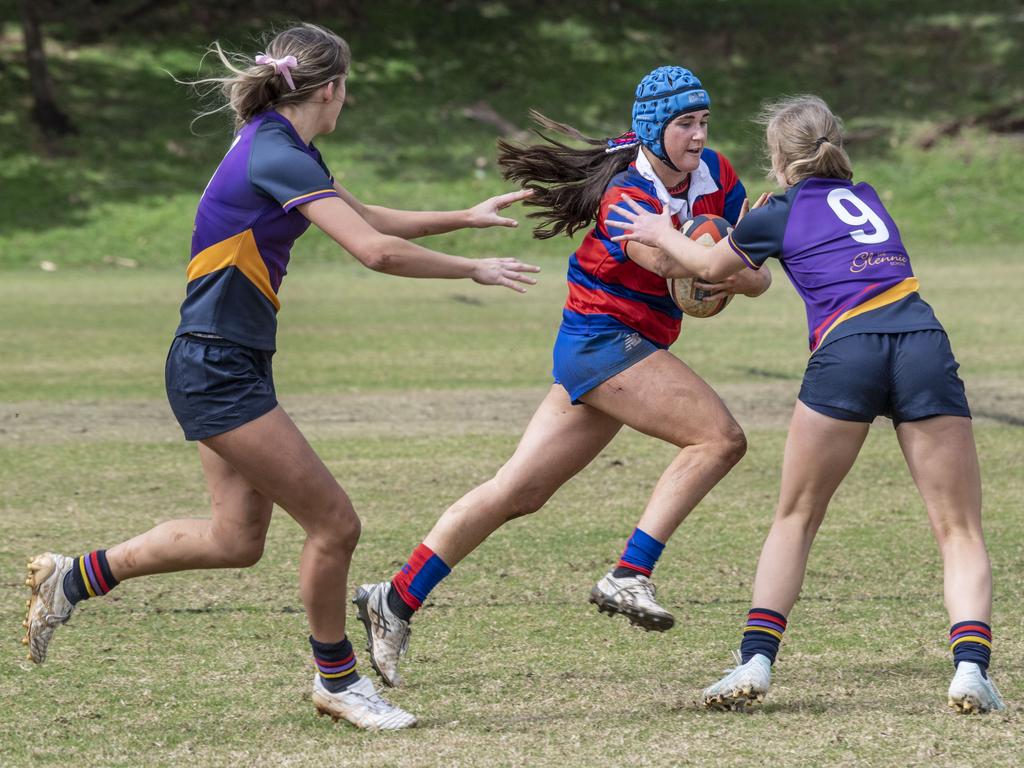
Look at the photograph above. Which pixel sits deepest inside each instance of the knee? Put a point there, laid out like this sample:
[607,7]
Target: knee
[338,527]
[520,496]
[241,547]
[730,445]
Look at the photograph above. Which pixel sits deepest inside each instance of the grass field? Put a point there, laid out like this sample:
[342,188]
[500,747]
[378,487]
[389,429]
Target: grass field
[508,664]
[415,391]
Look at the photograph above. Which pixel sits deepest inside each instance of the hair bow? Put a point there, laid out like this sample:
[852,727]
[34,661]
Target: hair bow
[281,66]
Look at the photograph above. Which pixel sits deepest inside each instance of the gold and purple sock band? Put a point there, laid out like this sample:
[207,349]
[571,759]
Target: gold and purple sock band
[762,634]
[92,575]
[971,641]
[336,663]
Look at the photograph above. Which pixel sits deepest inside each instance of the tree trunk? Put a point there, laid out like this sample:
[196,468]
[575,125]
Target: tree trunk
[45,112]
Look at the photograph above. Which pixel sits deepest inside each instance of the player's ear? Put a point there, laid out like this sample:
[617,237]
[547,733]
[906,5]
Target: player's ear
[327,92]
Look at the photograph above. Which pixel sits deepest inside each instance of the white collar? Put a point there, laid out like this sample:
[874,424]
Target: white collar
[701,183]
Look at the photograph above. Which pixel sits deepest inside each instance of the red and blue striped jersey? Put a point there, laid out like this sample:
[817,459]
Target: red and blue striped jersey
[606,288]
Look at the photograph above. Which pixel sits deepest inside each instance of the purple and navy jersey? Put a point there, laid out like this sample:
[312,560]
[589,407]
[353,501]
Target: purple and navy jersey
[244,230]
[843,253]
[608,290]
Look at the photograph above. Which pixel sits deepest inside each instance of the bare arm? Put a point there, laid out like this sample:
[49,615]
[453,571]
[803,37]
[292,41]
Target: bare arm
[396,256]
[413,224]
[668,252]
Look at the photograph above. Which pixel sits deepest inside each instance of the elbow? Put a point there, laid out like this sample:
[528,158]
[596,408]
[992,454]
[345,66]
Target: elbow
[378,255]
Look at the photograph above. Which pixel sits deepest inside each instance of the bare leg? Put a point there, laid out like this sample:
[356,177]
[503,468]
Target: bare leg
[819,453]
[560,440]
[233,538]
[662,397]
[263,462]
[944,464]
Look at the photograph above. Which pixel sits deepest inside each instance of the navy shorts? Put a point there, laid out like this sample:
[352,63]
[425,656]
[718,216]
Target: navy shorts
[215,385]
[904,376]
[584,360]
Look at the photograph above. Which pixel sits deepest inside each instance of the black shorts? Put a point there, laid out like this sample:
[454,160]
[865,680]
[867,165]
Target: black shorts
[904,376]
[215,385]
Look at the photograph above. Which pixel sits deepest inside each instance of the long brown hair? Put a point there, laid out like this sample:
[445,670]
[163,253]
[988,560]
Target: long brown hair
[804,139]
[251,88]
[568,182]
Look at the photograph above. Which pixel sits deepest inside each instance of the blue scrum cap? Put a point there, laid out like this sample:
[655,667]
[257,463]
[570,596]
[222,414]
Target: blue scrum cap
[662,96]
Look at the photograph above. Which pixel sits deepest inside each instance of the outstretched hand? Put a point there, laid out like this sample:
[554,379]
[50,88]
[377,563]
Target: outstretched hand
[485,214]
[640,225]
[507,272]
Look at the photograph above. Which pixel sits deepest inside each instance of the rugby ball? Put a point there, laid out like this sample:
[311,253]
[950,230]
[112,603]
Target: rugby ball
[706,230]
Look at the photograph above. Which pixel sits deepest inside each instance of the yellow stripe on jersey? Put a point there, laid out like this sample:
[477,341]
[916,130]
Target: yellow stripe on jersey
[309,194]
[742,254]
[239,251]
[899,291]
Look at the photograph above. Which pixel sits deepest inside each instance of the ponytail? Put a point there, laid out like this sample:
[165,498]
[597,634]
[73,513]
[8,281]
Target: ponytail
[804,139]
[568,183]
[315,57]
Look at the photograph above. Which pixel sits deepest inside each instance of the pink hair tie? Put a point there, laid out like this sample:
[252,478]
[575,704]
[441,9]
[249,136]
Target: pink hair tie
[281,66]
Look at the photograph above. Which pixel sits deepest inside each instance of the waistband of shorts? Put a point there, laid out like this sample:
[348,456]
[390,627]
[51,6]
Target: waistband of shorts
[210,338]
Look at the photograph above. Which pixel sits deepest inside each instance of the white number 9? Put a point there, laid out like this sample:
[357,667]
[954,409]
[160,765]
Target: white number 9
[836,200]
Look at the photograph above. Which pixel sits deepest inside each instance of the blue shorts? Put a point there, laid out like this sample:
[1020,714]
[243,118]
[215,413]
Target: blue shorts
[582,361]
[215,385]
[904,376]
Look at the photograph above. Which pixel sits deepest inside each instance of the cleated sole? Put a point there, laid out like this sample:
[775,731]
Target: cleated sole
[650,622]
[735,701]
[324,709]
[967,705]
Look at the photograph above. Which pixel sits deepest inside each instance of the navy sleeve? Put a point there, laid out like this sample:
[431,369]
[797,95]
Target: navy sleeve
[283,171]
[759,234]
[735,192]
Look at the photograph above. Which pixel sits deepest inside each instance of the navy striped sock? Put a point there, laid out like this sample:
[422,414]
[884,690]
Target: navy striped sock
[336,663]
[763,634]
[971,641]
[90,577]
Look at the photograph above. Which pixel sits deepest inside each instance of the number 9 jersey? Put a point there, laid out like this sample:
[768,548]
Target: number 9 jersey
[843,253]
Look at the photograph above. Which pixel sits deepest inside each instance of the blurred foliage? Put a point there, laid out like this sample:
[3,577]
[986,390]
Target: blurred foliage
[902,75]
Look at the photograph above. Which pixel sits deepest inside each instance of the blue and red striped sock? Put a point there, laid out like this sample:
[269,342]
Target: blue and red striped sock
[415,580]
[640,555]
[763,634]
[336,663]
[90,577]
[971,641]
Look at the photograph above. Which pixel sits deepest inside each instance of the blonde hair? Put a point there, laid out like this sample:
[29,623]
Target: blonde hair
[250,88]
[804,139]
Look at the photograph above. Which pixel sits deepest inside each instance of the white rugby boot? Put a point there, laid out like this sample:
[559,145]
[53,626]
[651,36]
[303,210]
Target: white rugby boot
[361,705]
[48,607]
[970,692]
[387,636]
[633,597]
[746,684]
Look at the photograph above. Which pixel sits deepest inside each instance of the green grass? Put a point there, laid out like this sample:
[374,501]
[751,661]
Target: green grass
[508,666]
[126,186]
[415,391]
